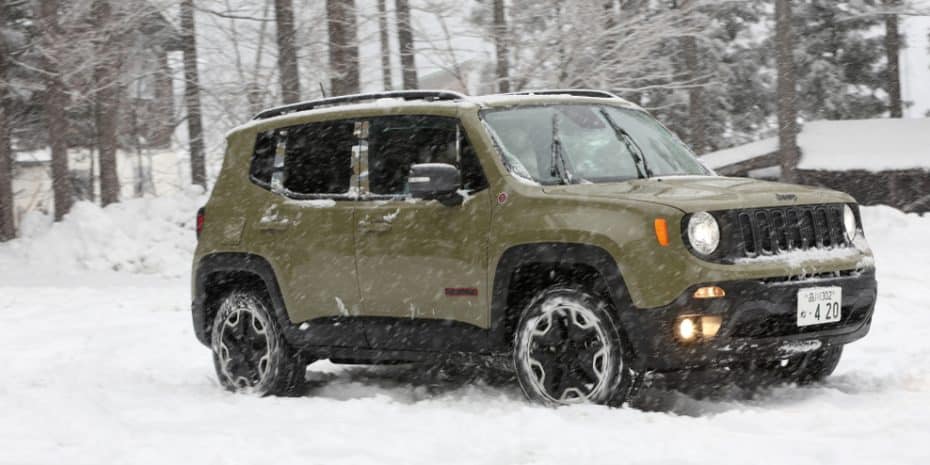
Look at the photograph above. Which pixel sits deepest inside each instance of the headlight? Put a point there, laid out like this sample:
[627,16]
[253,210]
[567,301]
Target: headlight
[849,222]
[703,233]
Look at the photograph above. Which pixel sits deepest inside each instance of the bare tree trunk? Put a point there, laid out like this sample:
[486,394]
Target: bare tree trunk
[386,77]
[501,48]
[107,96]
[55,105]
[786,98]
[405,39]
[343,47]
[287,51]
[696,130]
[892,50]
[7,205]
[164,101]
[192,94]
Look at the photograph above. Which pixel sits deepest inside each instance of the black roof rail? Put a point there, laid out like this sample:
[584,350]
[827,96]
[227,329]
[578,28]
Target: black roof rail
[429,95]
[576,92]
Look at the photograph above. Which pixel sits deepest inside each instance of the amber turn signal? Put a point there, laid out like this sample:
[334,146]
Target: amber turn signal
[661,227]
[709,292]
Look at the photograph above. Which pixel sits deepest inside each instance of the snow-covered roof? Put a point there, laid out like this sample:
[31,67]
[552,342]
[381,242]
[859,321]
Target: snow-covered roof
[740,153]
[871,145]
[43,155]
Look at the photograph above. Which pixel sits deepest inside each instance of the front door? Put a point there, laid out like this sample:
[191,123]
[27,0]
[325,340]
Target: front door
[421,261]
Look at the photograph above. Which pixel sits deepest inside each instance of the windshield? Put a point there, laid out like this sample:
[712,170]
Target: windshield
[563,144]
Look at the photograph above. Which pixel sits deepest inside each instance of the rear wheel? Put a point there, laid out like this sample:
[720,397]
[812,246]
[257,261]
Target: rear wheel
[568,349]
[249,352]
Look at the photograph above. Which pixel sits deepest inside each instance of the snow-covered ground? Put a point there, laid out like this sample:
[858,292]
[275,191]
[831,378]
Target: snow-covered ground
[102,367]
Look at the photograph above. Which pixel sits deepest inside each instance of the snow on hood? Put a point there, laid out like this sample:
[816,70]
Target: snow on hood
[697,193]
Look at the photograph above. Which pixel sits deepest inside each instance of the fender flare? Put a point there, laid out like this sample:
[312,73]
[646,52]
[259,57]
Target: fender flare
[221,262]
[554,253]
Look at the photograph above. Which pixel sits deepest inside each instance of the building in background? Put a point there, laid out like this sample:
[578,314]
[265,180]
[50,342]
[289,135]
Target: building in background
[877,161]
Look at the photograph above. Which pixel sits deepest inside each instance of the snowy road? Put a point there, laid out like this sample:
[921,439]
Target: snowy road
[102,367]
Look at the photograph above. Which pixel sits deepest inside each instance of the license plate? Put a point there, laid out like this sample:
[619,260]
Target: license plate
[819,305]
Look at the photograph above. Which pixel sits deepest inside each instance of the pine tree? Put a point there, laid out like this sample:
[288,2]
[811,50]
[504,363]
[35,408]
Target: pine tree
[839,72]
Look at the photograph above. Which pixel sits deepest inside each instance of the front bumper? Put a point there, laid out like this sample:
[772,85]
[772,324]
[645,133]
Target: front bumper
[759,323]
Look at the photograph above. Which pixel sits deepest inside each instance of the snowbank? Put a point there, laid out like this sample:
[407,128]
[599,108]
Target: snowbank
[148,235]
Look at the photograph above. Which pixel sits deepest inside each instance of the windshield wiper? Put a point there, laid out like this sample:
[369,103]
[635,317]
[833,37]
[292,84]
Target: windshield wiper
[557,165]
[627,139]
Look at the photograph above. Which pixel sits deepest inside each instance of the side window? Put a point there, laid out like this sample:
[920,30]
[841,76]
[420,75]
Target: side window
[318,158]
[397,142]
[262,167]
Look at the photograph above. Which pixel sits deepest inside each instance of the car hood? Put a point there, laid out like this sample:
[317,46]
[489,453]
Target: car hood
[697,193]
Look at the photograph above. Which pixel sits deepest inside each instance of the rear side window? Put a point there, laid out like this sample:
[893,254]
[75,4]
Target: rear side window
[262,167]
[397,142]
[318,158]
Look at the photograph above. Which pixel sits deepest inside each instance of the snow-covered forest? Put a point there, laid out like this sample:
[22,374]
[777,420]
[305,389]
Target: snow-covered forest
[113,123]
[100,94]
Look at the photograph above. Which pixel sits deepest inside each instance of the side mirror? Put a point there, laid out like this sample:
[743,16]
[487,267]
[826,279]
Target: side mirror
[435,181]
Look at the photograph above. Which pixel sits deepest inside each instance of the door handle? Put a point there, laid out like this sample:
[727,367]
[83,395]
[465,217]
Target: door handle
[273,224]
[374,226]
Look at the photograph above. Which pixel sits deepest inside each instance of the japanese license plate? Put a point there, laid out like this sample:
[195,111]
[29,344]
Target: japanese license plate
[819,305]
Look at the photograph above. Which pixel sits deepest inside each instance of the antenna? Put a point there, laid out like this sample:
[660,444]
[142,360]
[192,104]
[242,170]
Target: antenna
[322,90]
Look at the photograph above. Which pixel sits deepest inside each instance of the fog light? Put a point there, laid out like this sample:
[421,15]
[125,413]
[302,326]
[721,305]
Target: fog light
[709,292]
[697,327]
[687,329]
[710,325]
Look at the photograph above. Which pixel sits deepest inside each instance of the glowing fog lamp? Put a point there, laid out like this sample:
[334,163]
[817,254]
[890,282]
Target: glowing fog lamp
[687,329]
[691,328]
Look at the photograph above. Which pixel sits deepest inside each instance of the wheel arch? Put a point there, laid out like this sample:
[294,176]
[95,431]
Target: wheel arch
[219,273]
[552,258]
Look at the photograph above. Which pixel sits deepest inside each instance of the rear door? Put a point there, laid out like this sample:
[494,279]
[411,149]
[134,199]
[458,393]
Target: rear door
[420,260]
[307,229]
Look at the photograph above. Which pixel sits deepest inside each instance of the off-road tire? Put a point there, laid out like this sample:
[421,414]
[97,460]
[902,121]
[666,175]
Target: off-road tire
[250,353]
[568,349]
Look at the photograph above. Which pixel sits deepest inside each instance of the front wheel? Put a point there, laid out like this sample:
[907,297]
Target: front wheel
[568,349]
[249,352]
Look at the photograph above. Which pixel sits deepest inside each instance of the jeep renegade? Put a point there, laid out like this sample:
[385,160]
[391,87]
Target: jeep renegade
[566,232]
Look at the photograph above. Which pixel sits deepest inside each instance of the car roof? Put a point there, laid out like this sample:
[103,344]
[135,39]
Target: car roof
[426,99]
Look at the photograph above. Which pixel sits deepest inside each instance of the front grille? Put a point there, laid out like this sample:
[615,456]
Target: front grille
[767,231]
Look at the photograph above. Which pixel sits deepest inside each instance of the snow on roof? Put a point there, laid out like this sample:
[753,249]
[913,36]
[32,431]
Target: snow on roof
[43,155]
[871,145]
[740,153]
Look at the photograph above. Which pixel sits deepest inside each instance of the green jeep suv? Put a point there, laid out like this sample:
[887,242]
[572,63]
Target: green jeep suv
[567,233]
